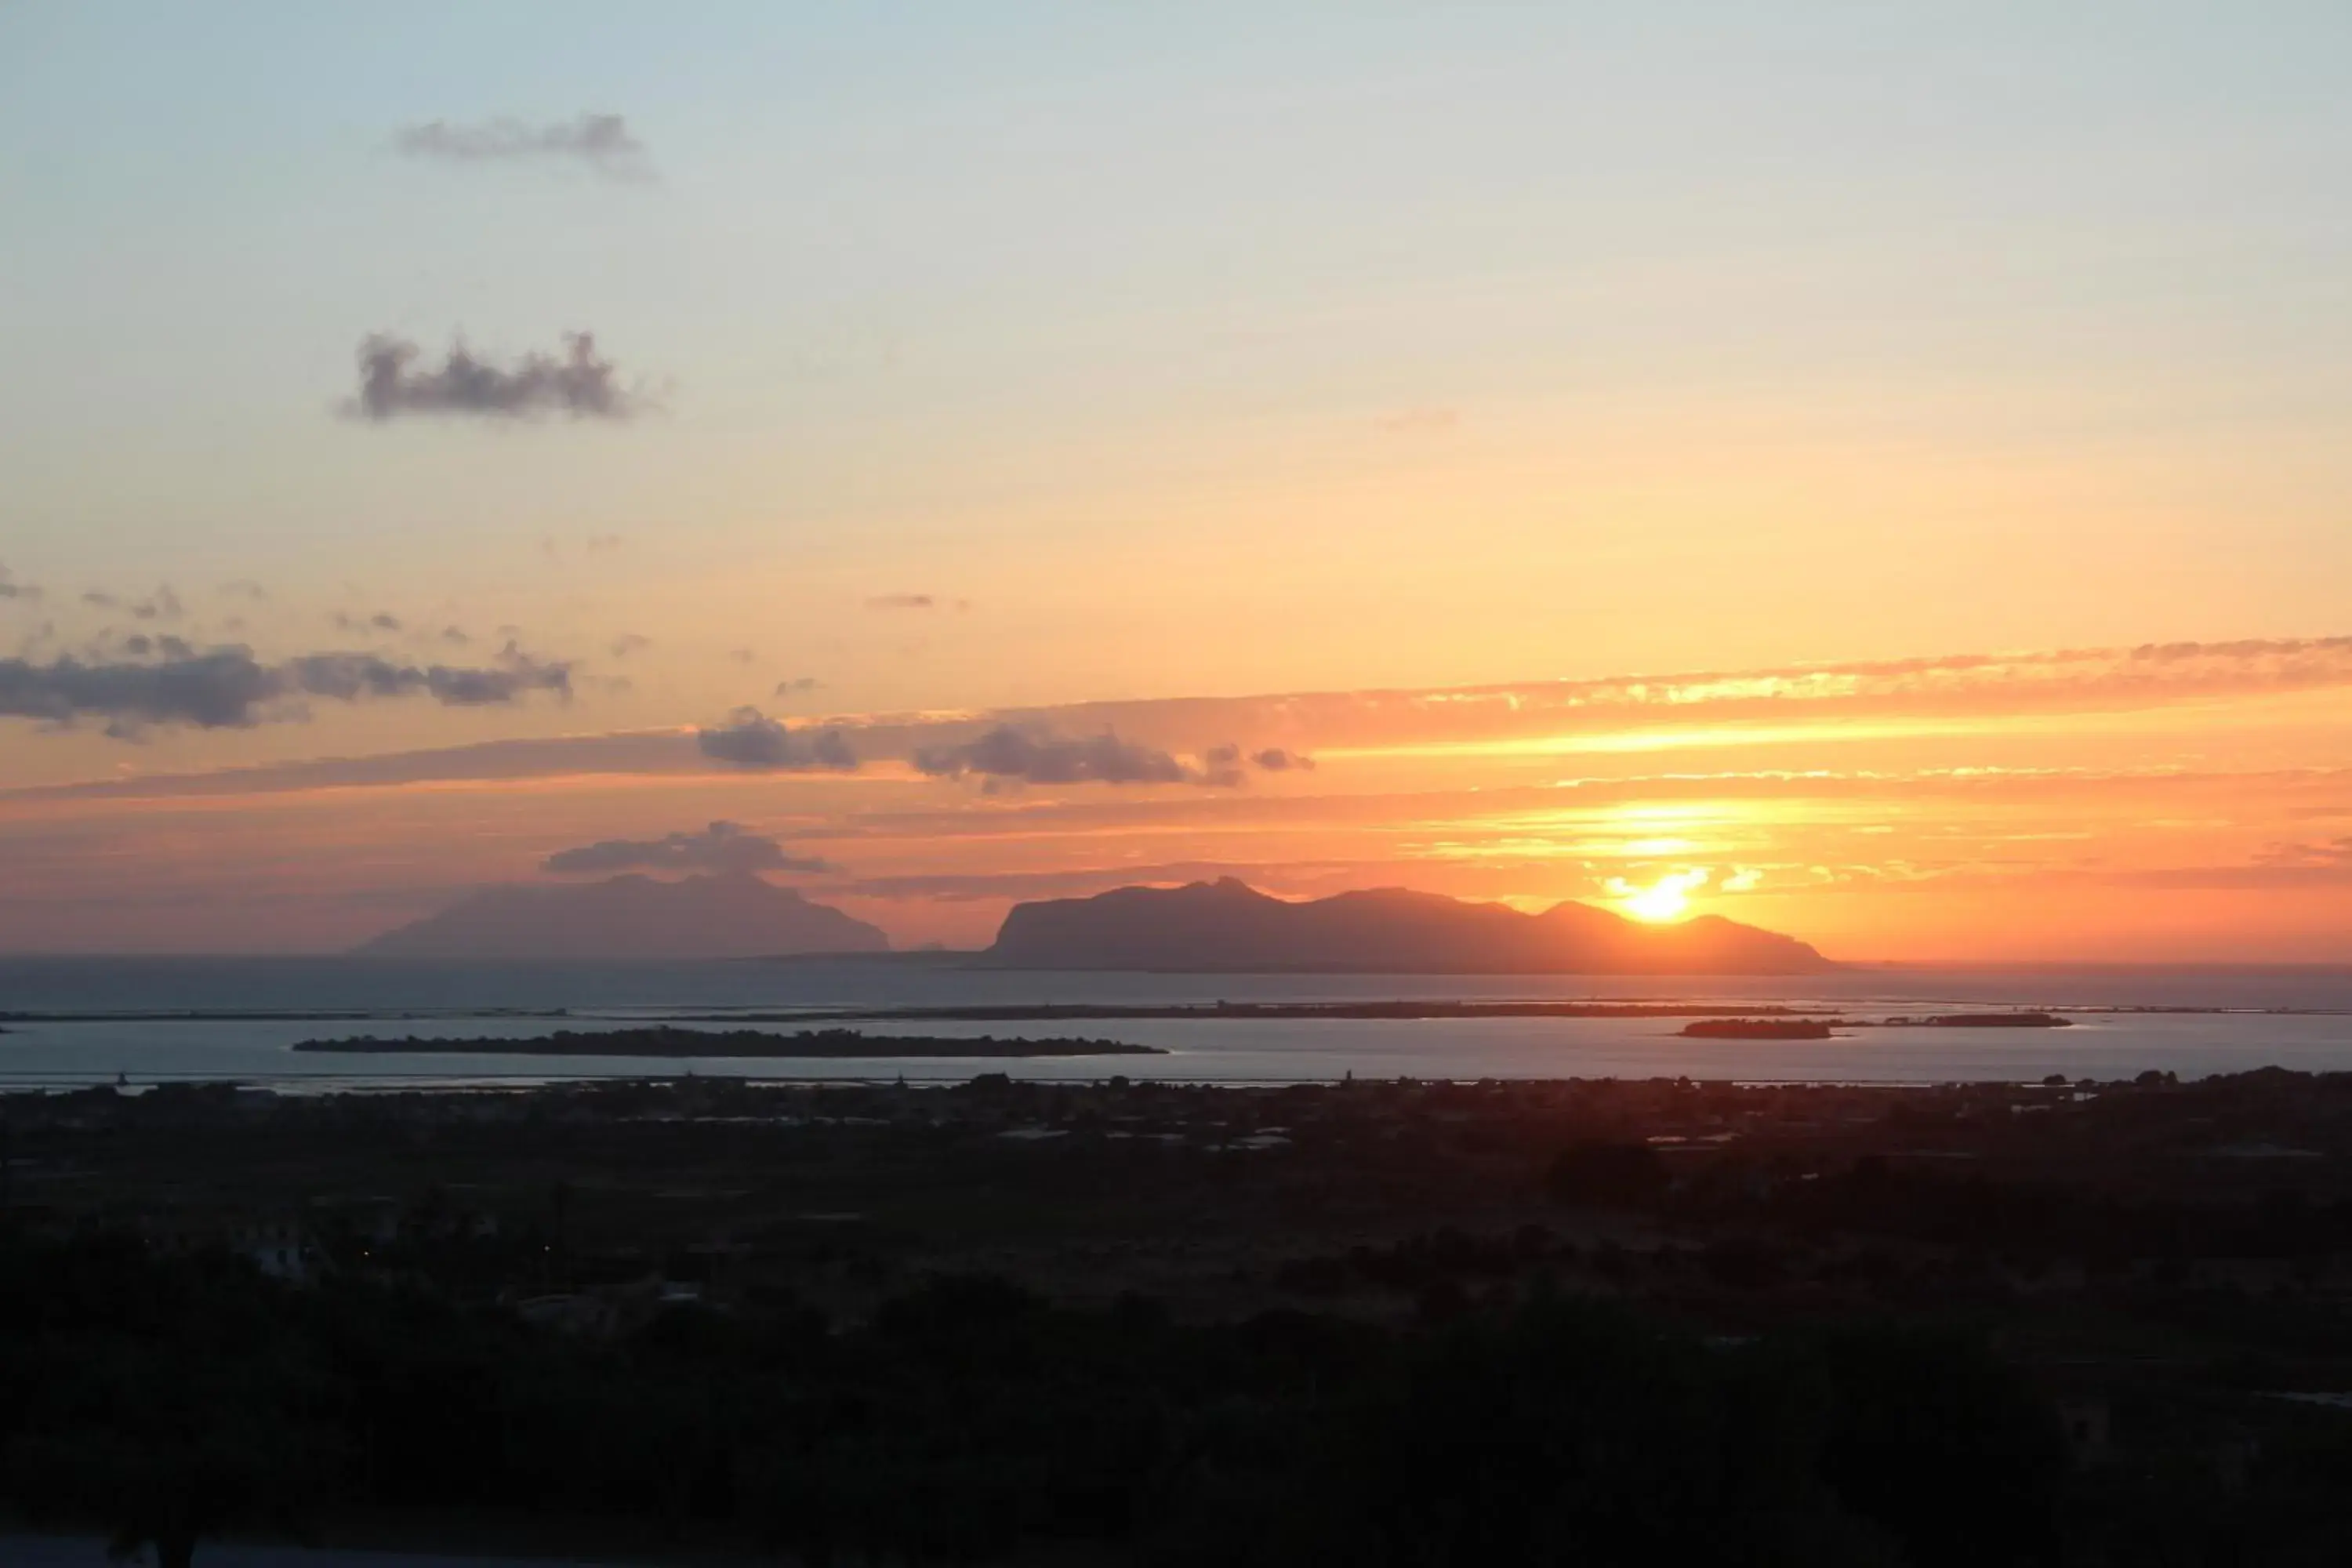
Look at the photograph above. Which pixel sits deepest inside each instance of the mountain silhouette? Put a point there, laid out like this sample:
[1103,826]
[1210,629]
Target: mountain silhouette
[1229,926]
[735,915]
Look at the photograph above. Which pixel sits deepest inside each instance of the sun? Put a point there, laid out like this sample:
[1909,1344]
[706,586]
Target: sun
[1666,899]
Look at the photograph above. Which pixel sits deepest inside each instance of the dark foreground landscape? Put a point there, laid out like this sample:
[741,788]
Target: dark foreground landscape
[1369,1322]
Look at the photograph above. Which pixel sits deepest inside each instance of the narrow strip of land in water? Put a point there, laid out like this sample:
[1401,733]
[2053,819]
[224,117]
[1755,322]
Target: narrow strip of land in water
[750,1043]
[1054,1011]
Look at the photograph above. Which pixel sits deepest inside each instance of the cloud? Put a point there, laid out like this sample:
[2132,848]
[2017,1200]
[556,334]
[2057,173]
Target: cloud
[163,605]
[245,588]
[2335,852]
[455,637]
[1023,756]
[392,384]
[796,684]
[602,141]
[1228,758]
[749,738]
[902,602]
[12,589]
[1977,694]
[627,643]
[349,677]
[382,621]
[229,688]
[723,847]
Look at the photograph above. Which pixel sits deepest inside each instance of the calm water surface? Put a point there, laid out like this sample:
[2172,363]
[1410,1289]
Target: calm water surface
[2299,1019]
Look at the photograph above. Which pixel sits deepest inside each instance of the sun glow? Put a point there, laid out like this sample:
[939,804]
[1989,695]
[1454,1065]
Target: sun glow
[1666,899]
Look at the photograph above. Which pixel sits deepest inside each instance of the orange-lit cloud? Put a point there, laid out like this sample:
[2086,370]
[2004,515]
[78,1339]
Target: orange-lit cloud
[2159,802]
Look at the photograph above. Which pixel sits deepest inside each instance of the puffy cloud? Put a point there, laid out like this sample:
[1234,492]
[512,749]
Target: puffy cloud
[749,738]
[1022,756]
[723,847]
[167,682]
[392,384]
[602,142]
[1275,760]
[213,691]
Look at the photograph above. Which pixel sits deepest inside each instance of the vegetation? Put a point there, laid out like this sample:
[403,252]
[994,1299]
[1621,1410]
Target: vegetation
[174,1398]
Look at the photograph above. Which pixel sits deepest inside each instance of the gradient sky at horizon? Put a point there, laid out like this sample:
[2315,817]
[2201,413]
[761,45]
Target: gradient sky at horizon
[1125,368]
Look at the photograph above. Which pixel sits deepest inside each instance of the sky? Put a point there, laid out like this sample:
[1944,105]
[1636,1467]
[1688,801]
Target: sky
[1874,471]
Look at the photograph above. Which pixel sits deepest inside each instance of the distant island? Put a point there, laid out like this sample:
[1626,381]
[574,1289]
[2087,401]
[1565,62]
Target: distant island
[1750,1027]
[734,915]
[1228,927]
[808,1043]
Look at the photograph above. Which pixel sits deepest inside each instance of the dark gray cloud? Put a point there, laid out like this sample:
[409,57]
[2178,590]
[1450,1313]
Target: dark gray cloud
[348,677]
[1275,759]
[1006,755]
[12,589]
[392,382]
[168,682]
[723,846]
[602,141]
[749,738]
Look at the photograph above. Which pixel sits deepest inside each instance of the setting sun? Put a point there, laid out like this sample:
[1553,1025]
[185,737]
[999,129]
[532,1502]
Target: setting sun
[1666,899]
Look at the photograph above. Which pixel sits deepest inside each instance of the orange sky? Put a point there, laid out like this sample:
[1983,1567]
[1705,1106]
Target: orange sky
[2155,803]
[1641,438]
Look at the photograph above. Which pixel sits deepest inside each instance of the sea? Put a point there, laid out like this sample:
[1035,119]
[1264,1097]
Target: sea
[140,1022]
